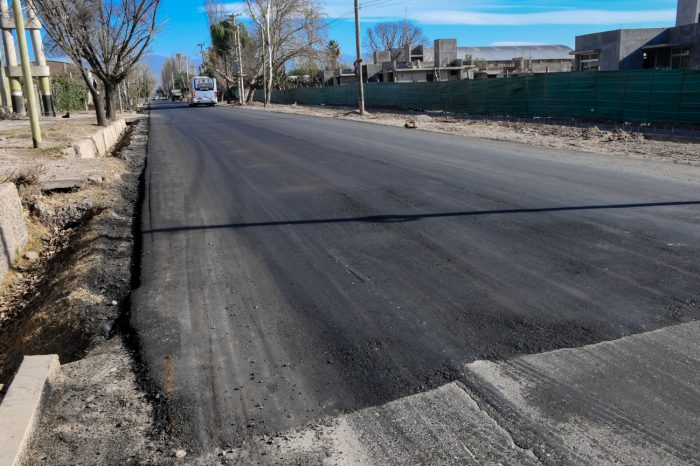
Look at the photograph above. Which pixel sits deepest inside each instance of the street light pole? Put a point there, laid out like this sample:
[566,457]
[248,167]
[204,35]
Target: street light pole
[27,73]
[361,87]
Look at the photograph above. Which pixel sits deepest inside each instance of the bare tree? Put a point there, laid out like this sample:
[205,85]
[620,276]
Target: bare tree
[175,73]
[281,31]
[394,37]
[138,85]
[104,37]
[288,29]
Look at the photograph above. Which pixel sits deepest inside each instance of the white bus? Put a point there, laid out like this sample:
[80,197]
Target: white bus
[203,91]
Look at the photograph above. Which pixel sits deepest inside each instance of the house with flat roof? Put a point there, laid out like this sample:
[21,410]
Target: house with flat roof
[445,61]
[648,48]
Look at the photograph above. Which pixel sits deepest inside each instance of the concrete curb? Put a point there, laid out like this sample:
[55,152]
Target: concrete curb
[13,230]
[20,410]
[101,142]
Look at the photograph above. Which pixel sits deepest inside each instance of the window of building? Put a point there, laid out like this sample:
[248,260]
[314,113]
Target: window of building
[589,61]
[680,57]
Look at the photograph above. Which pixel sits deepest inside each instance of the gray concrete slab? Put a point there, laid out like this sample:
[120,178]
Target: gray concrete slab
[440,426]
[21,407]
[632,401]
[13,230]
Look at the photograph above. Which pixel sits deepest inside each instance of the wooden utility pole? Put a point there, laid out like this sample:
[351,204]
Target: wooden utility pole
[361,88]
[27,73]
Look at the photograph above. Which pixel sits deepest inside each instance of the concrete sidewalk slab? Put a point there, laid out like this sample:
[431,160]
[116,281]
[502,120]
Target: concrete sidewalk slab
[21,408]
[628,401]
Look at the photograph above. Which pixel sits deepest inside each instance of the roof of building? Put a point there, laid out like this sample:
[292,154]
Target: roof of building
[505,53]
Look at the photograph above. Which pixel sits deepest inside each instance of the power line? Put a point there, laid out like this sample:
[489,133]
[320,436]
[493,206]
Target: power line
[365,5]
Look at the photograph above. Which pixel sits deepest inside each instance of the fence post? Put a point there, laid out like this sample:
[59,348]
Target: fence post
[624,97]
[527,107]
[651,94]
[595,94]
[546,103]
[680,98]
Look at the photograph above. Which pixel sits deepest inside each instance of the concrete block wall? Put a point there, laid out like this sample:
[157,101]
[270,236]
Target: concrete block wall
[445,52]
[13,230]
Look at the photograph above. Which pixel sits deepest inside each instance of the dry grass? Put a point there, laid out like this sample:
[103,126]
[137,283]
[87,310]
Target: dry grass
[36,231]
[27,177]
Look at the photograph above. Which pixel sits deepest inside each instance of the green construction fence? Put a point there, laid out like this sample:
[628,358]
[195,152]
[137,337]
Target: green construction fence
[642,96]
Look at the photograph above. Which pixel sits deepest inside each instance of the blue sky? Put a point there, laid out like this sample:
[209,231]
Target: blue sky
[471,22]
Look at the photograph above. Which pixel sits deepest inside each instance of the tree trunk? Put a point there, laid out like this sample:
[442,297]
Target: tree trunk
[99,109]
[267,50]
[250,93]
[96,99]
[109,101]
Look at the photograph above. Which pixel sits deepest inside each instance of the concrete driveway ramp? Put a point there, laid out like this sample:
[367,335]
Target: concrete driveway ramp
[441,426]
[629,401]
[13,230]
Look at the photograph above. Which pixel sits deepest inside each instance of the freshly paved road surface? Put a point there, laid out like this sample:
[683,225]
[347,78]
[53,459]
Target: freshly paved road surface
[296,268]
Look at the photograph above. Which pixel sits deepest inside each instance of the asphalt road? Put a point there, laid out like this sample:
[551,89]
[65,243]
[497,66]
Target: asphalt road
[295,267]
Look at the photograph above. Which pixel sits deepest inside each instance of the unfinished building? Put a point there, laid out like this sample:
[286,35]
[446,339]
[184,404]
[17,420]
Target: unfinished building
[445,61]
[648,48]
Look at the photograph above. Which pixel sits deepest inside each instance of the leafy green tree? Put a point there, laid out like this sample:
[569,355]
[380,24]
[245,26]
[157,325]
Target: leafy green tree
[70,93]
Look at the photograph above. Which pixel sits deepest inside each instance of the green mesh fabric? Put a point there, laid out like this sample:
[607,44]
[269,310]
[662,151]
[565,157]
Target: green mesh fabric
[644,96]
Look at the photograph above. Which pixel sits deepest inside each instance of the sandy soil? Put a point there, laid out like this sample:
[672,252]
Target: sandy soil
[590,139]
[17,154]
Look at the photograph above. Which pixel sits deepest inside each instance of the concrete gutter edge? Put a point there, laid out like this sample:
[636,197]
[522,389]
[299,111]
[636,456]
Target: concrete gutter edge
[100,143]
[22,406]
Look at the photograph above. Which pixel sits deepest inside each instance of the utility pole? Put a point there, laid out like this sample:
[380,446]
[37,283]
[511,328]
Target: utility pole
[268,41]
[361,89]
[4,86]
[201,52]
[40,59]
[264,70]
[239,57]
[27,73]
[187,73]
[11,58]
[241,88]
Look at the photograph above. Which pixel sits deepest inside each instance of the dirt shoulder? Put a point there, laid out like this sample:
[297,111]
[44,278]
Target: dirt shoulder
[589,139]
[73,299]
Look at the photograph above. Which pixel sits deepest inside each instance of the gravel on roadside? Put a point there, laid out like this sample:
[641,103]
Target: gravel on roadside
[587,139]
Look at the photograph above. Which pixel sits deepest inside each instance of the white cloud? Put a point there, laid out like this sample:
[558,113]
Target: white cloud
[452,12]
[550,17]
[509,43]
